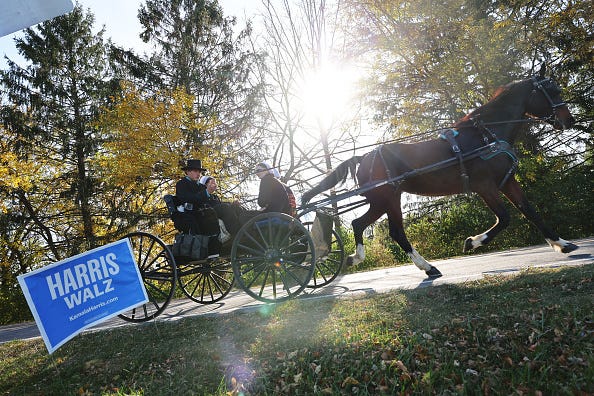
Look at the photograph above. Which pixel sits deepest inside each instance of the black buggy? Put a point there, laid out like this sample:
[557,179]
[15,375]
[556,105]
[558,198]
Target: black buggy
[272,258]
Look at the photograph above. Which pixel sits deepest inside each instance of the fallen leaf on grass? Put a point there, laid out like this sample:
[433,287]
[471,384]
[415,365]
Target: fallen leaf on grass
[577,361]
[349,381]
[400,366]
[316,368]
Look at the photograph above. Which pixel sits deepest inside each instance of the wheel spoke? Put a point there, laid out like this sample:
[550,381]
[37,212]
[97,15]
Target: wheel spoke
[146,254]
[248,249]
[278,269]
[157,268]
[154,291]
[260,270]
[274,295]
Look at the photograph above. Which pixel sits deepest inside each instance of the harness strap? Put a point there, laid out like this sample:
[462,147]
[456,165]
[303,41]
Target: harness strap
[381,155]
[480,125]
[373,162]
[450,136]
[503,147]
[378,152]
[540,86]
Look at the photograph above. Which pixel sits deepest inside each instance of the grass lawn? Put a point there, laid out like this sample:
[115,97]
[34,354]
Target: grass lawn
[530,334]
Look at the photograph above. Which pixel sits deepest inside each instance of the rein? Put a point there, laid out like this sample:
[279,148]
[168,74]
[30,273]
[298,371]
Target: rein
[484,152]
[521,121]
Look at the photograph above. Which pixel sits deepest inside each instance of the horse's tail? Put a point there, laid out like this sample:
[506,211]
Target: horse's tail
[335,177]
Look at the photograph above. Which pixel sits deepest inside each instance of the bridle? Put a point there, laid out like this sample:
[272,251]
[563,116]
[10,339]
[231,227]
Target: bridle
[540,85]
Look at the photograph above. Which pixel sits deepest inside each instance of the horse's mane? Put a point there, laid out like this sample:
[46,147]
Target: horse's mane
[500,98]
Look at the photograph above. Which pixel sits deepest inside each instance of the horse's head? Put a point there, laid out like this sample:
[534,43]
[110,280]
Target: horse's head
[545,102]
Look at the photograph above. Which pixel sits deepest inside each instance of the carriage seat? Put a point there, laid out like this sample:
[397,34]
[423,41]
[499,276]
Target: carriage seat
[170,201]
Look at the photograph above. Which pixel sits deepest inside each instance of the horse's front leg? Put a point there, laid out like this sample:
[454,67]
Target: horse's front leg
[516,196]
[493,200]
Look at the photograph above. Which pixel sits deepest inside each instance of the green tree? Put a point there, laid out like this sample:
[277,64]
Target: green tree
[431,62]
[19,250]
[53,102]
[197,50]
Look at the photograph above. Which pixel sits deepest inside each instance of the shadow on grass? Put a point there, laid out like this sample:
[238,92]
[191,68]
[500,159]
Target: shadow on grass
[532,332]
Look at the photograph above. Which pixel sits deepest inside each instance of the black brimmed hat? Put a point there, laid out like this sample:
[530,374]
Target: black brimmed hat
[193,164]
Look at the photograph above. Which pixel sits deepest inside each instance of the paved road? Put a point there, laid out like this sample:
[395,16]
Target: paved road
[454,270]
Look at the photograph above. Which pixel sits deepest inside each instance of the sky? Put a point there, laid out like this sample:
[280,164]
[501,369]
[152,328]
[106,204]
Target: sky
[121,23]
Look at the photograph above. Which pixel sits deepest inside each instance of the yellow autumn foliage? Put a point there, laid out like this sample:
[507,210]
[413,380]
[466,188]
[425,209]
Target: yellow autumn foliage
[146,137]
[15,174]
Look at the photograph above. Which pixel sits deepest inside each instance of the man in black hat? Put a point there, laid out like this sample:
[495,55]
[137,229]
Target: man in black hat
[189,190]
[193,196]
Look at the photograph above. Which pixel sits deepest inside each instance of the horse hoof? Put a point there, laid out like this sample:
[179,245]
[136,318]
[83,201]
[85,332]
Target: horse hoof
[433,273]
[467,245]
[349,261]
[570,247]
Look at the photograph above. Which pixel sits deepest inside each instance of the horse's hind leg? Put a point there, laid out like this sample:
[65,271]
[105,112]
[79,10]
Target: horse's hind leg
[398,235]
[359,225]
[514,193]
[493,200]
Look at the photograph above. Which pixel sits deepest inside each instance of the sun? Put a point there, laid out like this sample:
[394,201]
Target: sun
[328,92]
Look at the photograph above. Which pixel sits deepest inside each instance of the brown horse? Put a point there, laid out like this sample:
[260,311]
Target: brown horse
[474,155]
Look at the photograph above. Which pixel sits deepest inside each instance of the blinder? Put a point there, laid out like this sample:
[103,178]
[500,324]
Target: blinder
[548,89]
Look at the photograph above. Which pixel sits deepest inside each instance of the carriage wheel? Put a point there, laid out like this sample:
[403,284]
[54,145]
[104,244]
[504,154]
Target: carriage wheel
[157,268]
[273,257]
[206,281]
[329,265]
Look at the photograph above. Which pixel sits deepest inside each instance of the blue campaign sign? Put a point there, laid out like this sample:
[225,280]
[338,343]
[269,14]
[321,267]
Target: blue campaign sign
[74,294]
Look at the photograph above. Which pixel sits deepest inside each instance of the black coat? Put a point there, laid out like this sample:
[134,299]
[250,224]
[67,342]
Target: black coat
[201,218]
[213,200]
[273,195]
[192,192]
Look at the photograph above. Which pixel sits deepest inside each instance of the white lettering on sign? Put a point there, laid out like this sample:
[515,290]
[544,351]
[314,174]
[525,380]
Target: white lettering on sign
[82,282]
[88,293]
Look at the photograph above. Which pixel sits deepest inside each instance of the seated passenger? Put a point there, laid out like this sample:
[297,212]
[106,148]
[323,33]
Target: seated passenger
[228,212]
[194,198]
[274,195]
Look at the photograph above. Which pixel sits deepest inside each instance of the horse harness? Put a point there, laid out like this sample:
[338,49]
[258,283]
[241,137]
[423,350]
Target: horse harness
[543,85]
[449,135]
[490,150]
